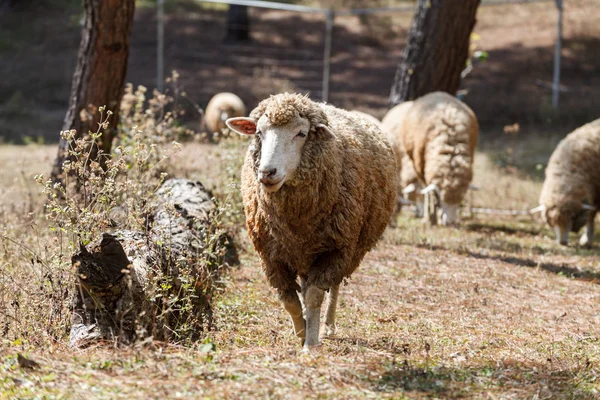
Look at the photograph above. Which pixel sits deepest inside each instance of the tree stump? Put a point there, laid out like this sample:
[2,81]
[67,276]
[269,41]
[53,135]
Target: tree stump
[157,283]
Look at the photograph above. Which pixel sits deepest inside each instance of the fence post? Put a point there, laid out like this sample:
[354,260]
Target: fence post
[160,46]
[557,50]
[329,15]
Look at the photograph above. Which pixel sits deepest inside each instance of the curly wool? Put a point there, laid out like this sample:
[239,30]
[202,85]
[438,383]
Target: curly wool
[572,175]
[282,108]
[439,134]
[320,224]
[392,125]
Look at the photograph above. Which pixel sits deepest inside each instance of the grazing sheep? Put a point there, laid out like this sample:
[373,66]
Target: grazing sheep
[570,196]
[221,107]
[439,134]
[392,126]
[318,191]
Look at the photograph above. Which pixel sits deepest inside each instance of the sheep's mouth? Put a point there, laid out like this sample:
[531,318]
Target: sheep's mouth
[271,185]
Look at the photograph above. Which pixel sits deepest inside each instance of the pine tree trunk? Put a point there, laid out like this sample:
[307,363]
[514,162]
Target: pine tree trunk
[238,24]
[99,76]
[437,49]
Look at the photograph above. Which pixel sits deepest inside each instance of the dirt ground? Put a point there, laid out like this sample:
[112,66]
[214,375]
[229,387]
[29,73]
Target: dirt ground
[286,51]
[493,309]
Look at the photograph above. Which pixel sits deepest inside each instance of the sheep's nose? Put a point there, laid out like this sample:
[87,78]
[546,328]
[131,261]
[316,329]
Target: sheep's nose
[266,175]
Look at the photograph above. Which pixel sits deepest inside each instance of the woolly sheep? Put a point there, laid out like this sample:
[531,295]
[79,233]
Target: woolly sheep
[221,107]
[318,192]
[367,117]
[409,181]
[570,196]
[439,134]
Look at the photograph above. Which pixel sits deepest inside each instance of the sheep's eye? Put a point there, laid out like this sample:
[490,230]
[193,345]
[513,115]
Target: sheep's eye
[301,134]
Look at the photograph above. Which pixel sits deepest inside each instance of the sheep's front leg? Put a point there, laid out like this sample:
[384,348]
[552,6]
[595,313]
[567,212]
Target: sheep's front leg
[292,305]
[313,298]
[588,235]
[330,313]
[326,273]
[280,276]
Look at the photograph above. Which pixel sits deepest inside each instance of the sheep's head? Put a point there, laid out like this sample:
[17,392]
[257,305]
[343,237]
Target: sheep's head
[282,125]
[564,218]
[446,212]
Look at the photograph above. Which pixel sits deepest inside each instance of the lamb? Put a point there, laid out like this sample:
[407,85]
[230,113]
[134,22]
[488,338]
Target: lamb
[318,189]
[439,134]
[220,107]
[570,196]
[409,181]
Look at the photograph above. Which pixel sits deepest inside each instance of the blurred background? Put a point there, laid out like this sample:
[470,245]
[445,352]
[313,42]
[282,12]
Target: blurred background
[510,82]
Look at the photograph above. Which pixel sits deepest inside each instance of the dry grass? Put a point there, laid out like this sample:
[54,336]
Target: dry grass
[493,309]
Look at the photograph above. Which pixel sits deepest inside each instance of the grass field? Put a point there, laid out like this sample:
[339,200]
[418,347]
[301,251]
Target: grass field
[493,309]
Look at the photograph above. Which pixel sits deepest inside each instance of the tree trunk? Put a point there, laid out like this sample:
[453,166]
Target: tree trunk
[238,24]
[132,285]
[437,49]
[7,4]
[99,76]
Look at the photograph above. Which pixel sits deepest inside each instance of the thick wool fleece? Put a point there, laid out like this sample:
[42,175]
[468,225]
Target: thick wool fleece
[573,175]
[220,103]
[392,126]
[321,223]
[439,133]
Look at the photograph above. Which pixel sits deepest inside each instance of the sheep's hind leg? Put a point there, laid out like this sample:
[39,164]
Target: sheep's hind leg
[313,298]
[588,235]
[332,300]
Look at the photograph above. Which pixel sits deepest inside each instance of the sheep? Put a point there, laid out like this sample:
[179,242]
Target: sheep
[570,196]
[439,134]
[318,190]
[367,117]
[409,181]
[220,107]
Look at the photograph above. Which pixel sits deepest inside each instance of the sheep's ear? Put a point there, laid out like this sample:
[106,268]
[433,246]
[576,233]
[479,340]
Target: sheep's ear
[242,125]
[325,131]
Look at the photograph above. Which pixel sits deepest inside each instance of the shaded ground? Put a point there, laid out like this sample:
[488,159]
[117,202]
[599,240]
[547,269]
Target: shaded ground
[491,310]
[39,42]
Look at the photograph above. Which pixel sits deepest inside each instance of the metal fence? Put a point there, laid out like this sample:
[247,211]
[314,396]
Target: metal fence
[306,65]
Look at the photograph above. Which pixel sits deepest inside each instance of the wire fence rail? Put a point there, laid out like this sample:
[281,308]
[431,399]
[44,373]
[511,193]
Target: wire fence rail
[324,63]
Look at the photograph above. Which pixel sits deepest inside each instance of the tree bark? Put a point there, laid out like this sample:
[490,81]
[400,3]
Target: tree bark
[238,24]
[437,49]
[99,76]
[120,290]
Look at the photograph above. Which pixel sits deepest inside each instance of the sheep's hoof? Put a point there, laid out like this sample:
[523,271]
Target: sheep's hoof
[329,330]
[584,241]
[310,349]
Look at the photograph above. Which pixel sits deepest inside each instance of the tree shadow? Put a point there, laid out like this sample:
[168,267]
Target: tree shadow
[490,229]
[457,382]
[407,371]
[559,269]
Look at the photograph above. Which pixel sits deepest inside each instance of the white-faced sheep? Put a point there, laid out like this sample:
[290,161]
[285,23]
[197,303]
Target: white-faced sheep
[570,196]
[221,107]
[318,189]
[439,134]
[392,126]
